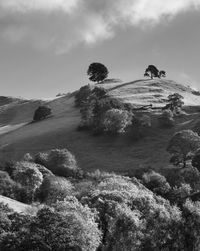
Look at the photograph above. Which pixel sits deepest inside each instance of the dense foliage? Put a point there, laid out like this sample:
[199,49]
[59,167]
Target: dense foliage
[97,72]
[152,72]
[41,113]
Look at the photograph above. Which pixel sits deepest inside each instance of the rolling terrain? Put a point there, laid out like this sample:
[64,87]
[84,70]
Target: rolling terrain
[112,153]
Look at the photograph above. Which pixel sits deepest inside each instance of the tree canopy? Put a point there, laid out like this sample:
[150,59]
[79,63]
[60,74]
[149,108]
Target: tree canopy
[97,72]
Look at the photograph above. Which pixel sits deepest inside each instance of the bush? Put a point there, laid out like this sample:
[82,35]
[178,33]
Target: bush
[41,113]
[196,127]
[196,160]
[182,144]
[7,185]
[28,175]
[82,96]
[166,119]
[30,178]
[116,121]
[54,188]
[59,161]
[156,182]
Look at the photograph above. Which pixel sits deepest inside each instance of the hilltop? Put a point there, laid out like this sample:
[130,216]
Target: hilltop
[122,153]
[144,92]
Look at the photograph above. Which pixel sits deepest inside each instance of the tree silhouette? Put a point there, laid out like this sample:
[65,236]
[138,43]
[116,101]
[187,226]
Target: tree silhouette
[41,113]
[153,72]
[162,74]
[97,72]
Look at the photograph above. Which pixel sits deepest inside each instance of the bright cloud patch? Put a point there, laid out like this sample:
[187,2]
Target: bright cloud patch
[62,24]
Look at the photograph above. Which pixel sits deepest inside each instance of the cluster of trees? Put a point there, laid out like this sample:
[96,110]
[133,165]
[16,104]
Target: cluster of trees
[152,72]
[100,112]
[103,211]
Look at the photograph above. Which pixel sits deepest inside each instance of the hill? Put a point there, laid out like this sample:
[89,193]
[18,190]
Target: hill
[122,153]
[155,92]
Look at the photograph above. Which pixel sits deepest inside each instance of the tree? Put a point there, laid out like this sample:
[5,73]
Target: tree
[196,159]
[82,96]
[175,101]
[152,72]
[166,119]
[41,113]
[97,72]
[54,188]
[162,74]
[28,175]
[183,143]
[60,161]
[116,120]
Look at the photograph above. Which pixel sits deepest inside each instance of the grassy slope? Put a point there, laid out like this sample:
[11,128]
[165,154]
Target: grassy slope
[17,206]
[120,153]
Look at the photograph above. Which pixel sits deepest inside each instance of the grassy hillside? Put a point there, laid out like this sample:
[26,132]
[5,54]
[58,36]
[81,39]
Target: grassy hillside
[121,153]
[17,206]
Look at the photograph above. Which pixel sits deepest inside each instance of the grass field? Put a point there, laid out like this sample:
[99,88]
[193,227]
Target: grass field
[111,153]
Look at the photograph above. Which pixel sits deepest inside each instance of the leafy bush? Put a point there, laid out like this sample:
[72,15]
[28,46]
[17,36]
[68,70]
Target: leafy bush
[156,182]
[59,161]
[182,144]
[7,185]
[41,113]
[166,119]
[196,159]
[29,177]
[175,102]
[82,96]
[196,127]
[116,121]
[54,189]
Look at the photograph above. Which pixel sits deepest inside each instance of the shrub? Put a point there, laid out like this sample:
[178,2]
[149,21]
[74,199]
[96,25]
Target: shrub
[196,159]
[27,174]
[7,185]
[183,143]
[196,127]
[41,113]
[82,96]
[54,189]
[156,182]
[166,119]
[116,121]
[175,102]
[59,161]
[30,178]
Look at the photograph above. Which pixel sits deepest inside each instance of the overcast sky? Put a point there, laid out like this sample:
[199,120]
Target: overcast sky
[46,46]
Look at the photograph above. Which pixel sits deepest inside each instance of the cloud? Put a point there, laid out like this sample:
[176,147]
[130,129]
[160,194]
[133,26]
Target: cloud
[62,24]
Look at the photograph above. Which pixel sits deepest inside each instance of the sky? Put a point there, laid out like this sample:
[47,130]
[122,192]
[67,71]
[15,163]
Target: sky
[46,46]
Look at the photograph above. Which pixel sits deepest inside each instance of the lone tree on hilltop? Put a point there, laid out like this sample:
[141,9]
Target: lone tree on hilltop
[41,113]
[97,72]
[153,72]
[181,145]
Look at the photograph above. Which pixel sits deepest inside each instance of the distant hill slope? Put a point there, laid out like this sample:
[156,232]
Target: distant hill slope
[119,153]
[145,92]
